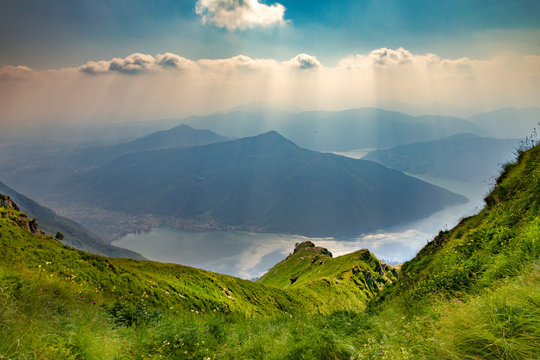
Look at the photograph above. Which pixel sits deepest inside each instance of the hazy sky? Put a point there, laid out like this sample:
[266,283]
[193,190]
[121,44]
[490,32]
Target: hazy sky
[86,60]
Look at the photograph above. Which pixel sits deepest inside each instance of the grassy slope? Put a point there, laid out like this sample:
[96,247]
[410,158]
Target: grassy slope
[75,235]
[358,275]
[492,245]
[473,293]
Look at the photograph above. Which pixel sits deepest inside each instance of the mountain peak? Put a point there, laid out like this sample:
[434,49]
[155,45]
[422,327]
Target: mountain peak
[309,246]
[272,134]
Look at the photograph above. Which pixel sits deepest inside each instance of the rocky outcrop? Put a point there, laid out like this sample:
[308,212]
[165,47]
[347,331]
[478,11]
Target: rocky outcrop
[13,211]
[308,245]
[7,203]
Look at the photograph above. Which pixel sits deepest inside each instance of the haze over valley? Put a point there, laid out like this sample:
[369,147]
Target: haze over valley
[175,193]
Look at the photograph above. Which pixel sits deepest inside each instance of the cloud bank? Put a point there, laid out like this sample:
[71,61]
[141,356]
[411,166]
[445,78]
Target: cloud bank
[144,86]
[240,14]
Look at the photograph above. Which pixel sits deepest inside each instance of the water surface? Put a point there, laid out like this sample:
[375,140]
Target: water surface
[249,255]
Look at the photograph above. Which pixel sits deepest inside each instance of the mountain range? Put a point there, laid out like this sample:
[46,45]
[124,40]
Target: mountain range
[337,130]
[264,183]
[463,157]
[471,292]
[509,122]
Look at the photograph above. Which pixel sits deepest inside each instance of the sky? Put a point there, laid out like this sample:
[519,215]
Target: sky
[84,61]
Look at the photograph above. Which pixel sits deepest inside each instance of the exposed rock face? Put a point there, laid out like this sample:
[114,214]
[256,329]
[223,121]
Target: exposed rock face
[30,225]
[34,227]
[308,245]
[6,202]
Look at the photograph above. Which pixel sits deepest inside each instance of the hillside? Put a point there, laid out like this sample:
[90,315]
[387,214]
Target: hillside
[160,285]
[471,293]
[130,292]
[463,157]
[508,122]
[359,274]
[75,235]
[481,250]
[337,130]
[263,184]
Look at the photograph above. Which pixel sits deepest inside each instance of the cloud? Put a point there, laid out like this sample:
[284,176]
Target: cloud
[240,14]
[119,88]
[15,72]
[133,64]
[304,62]
[137,63]
[96,67]
[173,61]
[384,56]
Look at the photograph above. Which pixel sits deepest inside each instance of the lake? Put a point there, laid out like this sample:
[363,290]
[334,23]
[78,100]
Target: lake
[249,255]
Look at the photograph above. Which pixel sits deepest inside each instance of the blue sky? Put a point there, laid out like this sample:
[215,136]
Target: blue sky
[59,33]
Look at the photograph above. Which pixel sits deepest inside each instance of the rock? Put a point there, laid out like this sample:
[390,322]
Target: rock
[34,227]
[6,202]
[309,246]
[30,225]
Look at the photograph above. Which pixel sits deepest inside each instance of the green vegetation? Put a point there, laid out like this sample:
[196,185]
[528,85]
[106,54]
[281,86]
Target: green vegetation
[74,234]
[472,293]
[354,278]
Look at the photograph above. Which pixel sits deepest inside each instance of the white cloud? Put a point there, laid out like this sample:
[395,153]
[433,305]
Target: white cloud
[173,61]
[304,62]
[240,14]
[169,85]
[132,64]
[15,72]
[386,56]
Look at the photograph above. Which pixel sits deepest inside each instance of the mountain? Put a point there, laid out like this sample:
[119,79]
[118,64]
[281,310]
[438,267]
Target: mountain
[337,130]
[359,274]
[470,293]
[38,168]
[509,122]
[264,183]
[464,157]
[75,235]
[178,136]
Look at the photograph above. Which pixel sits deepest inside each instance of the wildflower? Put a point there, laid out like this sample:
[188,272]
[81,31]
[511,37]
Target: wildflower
[93,302]
[432,293]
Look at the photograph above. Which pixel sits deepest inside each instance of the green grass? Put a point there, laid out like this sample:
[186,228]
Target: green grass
[472,293]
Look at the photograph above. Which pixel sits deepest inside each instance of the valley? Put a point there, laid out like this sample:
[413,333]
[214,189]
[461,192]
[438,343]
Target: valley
[142,308]
[269,180]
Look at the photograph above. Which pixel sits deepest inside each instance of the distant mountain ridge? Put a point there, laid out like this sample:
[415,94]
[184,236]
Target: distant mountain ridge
[264,183]
[509,122]
[337,130]
[179,136]
[464,157]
